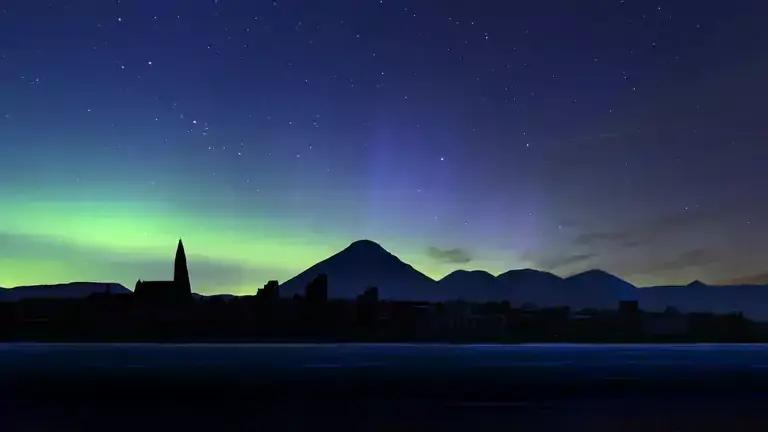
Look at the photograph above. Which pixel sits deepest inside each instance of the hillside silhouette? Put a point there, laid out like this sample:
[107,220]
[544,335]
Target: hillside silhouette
[72,290]
[365,263]
[362,264]
[535,287]
[472,285]
[598,289]
[364,292]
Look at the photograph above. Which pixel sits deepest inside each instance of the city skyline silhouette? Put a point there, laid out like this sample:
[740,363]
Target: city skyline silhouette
[383,215]
[364,264]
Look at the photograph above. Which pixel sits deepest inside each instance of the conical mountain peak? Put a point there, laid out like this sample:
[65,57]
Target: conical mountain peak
[362,264]
[365,245]
[593,273]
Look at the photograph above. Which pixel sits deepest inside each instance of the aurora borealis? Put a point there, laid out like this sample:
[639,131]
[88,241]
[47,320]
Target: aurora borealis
[623,135]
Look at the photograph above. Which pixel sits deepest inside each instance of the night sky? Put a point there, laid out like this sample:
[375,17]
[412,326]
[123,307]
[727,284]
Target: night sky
[627,135]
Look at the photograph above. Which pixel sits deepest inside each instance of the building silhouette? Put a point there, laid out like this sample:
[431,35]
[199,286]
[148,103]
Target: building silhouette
[316,293]
[367,306]
[179,289]
[629,307]
[181,272]
[316,308]
[271,291]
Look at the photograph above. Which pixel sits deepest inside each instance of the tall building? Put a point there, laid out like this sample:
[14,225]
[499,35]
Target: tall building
[628,307]
[368,308]
[316,292]
[180,271]
[316,313]
[179,289]
[271,291]
[370,295]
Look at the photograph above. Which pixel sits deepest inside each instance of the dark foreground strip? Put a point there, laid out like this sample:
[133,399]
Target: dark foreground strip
[376,399]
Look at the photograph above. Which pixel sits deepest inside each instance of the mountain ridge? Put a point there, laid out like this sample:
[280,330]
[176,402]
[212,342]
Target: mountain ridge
[365,263]
[362,264]
[453,286]
[69,290]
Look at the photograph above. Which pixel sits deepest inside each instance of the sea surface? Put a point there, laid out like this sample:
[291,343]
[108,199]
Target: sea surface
[251,358]
[503,366]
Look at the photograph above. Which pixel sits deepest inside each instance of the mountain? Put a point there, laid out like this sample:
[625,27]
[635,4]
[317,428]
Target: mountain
[362,264]
[598,289]
[72,290]
[755,279]
[541,288]
[214,297]
[475,285]
[752,300]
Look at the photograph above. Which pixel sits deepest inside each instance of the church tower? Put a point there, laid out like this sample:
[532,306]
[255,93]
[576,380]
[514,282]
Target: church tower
[180,272]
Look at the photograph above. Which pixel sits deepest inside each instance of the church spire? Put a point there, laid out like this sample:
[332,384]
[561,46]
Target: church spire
[180,271]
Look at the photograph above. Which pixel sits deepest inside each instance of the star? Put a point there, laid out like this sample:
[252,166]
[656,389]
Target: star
[397,86]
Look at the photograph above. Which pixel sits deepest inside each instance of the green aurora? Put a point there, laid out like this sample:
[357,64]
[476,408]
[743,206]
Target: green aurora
[45,242]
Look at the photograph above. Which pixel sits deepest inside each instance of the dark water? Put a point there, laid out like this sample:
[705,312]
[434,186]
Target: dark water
[255,358]
[406,387]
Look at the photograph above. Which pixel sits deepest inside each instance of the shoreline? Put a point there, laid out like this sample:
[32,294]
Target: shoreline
[369,343]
